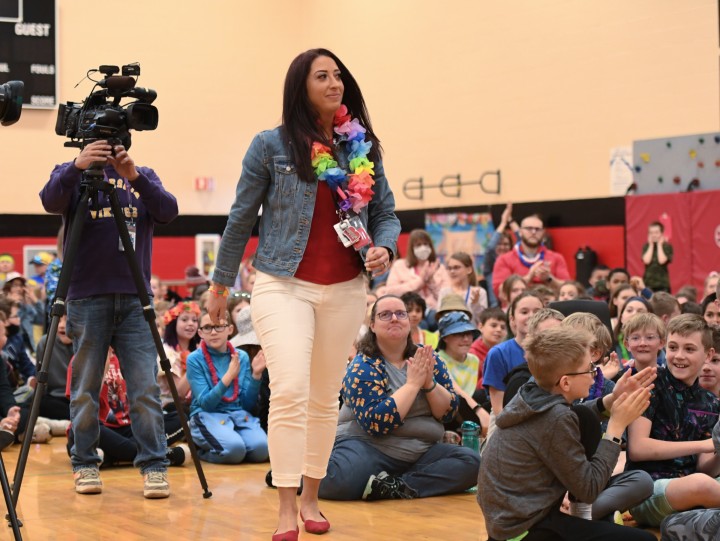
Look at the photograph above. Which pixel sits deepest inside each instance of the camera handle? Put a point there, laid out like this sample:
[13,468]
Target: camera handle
[93,181]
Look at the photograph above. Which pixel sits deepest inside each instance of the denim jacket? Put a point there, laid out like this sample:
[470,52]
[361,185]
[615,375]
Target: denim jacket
[269,179]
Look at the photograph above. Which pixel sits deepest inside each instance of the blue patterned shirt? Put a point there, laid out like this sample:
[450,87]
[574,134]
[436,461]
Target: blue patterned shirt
[366,391]
[677,413]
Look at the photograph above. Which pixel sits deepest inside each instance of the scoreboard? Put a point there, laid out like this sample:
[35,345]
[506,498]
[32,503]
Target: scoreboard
[28,46]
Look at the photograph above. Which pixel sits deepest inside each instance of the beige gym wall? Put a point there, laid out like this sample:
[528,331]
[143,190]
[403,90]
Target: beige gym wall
[541,89]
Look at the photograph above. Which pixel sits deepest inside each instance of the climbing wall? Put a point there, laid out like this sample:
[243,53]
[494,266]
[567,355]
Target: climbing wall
[677,164]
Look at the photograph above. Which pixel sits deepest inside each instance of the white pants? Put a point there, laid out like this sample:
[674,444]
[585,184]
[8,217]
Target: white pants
[306,331]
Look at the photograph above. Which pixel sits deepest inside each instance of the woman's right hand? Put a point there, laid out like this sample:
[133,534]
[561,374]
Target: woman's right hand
[216,307]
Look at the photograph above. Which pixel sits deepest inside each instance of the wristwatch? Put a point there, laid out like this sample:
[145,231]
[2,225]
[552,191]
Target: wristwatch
[612,439]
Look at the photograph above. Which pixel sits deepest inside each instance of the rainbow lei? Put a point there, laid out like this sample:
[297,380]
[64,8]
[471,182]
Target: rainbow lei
[354,189]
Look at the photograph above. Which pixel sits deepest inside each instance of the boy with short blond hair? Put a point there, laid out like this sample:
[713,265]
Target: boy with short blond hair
[538,433]
[672,440]
[644,336]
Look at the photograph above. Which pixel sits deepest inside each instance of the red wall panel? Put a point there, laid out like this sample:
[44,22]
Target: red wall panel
[692,226]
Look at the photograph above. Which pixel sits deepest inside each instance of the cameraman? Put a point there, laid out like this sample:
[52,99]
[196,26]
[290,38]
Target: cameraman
[104,309]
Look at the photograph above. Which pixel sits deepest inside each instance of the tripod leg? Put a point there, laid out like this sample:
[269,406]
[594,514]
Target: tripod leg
[57,311]
[149,315]
[7,494]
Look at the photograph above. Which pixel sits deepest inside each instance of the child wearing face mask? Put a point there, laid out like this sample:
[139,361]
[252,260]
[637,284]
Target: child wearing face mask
[419,271]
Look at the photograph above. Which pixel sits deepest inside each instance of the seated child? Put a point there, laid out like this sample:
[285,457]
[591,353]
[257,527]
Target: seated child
[456,333]
[502,358]
[493,330]
[21,369]
[416,307]
[536,455]
[672,440]
[644,337]
[224,390]
[571,290]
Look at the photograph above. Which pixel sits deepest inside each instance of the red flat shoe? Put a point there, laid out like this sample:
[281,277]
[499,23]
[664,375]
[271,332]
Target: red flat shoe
[290,535]
[316,526]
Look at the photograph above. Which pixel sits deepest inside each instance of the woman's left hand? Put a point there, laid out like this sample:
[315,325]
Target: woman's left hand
[377,260]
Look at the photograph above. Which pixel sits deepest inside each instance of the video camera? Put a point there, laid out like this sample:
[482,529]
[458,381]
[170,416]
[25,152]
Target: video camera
[101,116]
[11,98]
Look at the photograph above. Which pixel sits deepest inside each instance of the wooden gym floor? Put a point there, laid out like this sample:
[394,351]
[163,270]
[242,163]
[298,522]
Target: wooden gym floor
[242,507]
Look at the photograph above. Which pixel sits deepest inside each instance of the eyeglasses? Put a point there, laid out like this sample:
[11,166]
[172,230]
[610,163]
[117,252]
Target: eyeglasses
[636,338]
[241,294]
[593,371]
[455,267]
[386,315]
[211,328]
[531,229]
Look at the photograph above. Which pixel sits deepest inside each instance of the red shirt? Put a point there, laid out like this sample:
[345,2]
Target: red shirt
[509,263]
[326,261]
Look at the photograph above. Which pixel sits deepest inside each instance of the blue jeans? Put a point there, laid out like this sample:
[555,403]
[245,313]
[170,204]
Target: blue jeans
[95,324]
[443,469]
[229,438]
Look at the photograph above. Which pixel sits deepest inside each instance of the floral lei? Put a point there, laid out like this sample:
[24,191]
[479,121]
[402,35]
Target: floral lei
[354,189]
[182,307]
[213,372]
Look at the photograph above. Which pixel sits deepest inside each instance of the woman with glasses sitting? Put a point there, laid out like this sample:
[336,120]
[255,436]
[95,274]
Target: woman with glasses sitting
[396,397]
[225,387]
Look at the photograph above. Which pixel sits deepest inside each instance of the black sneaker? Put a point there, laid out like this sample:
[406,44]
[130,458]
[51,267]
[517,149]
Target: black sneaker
[177,455]
[269,482]
[384,486]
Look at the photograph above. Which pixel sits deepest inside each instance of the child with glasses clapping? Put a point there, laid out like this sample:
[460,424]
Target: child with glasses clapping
[225,389]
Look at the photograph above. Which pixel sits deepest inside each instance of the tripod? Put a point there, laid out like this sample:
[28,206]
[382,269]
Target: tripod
[93,181]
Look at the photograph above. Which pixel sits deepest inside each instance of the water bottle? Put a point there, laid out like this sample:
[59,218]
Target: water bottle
[470,435]
[471,439]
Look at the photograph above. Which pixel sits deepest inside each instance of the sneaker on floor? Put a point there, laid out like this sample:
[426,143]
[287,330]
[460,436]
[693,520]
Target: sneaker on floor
[156,485]
[384,486]
[581,510]
[178,455]
[87,481]
[58,427]
[41,433]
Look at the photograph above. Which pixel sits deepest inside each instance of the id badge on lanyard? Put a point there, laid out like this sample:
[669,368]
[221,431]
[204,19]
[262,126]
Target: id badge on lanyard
[351,232]
[132,231]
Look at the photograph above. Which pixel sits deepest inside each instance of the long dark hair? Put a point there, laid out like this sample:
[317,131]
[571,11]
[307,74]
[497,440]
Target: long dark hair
[300,119]
[368,343]
[171,337]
